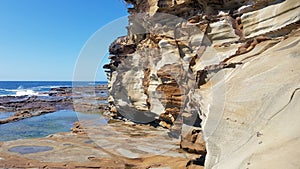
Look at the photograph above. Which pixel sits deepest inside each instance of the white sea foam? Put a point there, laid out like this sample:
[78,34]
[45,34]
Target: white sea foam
[12,90]
[32,91]
[28,92]
[23,92]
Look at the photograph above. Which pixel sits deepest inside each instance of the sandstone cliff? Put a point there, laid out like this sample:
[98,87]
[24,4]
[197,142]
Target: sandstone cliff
[227,70]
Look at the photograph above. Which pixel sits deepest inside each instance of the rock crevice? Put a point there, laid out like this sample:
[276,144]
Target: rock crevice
[214,70]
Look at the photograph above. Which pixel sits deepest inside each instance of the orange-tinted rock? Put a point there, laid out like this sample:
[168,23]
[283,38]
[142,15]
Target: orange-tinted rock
[193,142]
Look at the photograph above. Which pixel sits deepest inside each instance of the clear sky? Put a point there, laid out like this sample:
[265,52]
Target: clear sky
[42,39]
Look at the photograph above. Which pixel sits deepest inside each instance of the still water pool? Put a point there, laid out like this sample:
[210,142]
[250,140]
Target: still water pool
[44,125]
[4,115]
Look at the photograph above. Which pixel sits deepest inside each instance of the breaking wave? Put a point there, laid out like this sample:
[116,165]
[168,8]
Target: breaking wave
[27,92]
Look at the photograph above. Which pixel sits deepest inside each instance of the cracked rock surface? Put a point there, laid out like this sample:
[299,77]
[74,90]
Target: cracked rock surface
[227,69]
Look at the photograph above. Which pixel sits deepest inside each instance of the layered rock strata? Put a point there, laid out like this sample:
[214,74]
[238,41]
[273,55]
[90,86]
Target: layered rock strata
[231,65]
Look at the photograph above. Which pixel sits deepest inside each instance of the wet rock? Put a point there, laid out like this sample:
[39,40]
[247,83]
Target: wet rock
[83,99]
[3,109]
[19,115]
[77,128]
[115,145]
[29,149]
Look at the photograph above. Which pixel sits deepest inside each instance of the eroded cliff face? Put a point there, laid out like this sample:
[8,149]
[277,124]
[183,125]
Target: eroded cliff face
[227,70]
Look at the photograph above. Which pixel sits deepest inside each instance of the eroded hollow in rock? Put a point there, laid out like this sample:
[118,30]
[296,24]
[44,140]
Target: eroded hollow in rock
[30,149]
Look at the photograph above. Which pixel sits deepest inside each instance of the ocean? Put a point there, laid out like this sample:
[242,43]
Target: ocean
[43,125]
[19,88]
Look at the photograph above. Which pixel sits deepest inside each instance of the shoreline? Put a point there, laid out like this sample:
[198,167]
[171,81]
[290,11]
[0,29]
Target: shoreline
[61,98]
[115,145]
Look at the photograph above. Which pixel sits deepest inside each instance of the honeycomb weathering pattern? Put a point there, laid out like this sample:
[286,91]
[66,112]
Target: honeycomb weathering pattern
[166,61]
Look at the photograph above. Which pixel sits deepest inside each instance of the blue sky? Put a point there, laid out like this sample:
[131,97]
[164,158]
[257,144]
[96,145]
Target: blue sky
[42,39]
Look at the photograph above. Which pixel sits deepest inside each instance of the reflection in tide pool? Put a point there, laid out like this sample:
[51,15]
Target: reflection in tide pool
[5,115]
[44,125]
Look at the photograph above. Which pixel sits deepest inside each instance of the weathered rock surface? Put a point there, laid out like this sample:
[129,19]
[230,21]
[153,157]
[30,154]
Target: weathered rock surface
[116,145]
[258,123]
[232,65]
[81,99]
[26,114]
[193,141]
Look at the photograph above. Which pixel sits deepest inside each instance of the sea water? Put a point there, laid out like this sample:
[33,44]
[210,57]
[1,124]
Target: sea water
[5,115]
[44,125]
[19,88]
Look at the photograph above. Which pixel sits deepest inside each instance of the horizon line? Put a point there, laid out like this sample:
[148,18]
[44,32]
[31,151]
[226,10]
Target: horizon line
[52,81]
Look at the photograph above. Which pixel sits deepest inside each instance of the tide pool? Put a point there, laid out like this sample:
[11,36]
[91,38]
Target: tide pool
[44,125]
[4,115]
